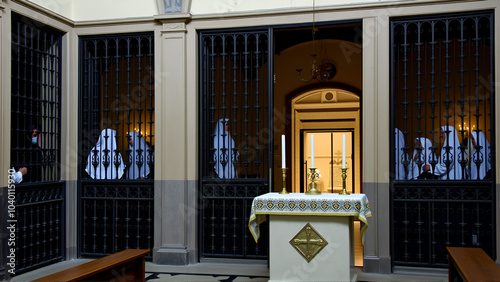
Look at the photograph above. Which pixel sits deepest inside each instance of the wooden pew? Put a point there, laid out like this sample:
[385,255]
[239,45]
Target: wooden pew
[471,264]
[127,265]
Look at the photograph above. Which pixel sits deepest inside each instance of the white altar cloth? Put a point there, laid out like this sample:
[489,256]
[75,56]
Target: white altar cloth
[355,205]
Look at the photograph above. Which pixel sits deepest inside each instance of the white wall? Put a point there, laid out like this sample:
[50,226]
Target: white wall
[225,6]
[95,10]
[61,7]
[88,10]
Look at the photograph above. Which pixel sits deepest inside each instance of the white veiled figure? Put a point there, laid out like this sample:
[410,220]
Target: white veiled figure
[226,154]
[400,154]
[104,160]
[480,155]
[449,160]
[421,158]
[139,150]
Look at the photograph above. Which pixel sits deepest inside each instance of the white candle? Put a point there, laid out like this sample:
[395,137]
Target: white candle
[343,151]
[312,151]
[283,162]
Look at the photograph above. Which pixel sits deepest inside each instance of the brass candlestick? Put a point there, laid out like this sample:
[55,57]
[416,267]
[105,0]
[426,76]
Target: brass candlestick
[344,176]
[313,175]
[284,181]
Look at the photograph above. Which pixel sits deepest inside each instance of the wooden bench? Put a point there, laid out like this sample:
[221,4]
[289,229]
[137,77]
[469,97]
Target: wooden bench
[127,265]
[471,264]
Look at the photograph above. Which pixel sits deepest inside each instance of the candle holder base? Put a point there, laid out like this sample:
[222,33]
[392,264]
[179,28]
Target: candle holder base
[344,176]
[312,187]
[284,191]
[312,190]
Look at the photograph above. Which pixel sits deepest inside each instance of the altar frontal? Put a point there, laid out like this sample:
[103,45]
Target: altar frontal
[311,236]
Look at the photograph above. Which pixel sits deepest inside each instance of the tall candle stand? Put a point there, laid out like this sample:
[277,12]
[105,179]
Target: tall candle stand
[344,176]
[284,182]
[313,175]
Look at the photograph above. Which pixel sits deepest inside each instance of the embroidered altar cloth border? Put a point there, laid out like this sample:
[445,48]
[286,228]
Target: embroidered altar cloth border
[355,205]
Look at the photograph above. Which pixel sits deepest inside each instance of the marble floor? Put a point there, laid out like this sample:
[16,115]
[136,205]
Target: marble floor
[216,271]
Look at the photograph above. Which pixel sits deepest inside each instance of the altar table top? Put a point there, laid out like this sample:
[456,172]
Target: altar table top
[355,205]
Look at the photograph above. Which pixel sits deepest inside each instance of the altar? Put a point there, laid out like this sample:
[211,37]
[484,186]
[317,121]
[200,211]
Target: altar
[310,235]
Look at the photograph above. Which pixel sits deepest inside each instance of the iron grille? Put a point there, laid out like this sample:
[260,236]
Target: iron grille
[226,211]
[117,143]
[35,143]
[427,219]
[116,216]
[117,98]
[36,99]
[235,139]
[443,119]
[442,71]
[40,226]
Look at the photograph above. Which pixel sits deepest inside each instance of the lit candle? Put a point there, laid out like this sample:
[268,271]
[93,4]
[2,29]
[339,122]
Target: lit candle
[312,151]
[343,151]
[283,162]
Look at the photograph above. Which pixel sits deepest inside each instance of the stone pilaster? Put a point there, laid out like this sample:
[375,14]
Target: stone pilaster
[172,188]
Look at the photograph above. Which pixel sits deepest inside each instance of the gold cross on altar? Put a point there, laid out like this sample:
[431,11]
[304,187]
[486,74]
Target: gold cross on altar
[308,242]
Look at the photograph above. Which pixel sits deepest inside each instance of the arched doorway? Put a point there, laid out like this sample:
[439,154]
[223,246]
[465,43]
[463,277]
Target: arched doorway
[303,105]
[328,114]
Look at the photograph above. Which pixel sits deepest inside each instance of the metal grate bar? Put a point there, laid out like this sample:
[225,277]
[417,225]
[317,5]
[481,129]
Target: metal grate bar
[35,143]
[442,188]
[423,224]
[40,228]
[234,139]
[35,97]
[121,115]
[116,216]
[116,186]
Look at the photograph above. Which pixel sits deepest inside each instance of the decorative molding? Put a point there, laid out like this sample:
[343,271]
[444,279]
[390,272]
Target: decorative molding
[185,17]
[114,21]
[327,8]
[174,27]
[173,22]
